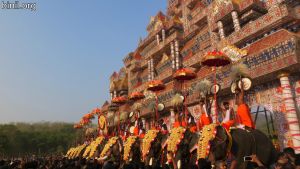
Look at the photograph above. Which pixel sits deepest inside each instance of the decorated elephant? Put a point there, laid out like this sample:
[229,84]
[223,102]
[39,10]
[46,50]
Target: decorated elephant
[132,152]
[180,147]
[216,143]
[112,152]
[152,148]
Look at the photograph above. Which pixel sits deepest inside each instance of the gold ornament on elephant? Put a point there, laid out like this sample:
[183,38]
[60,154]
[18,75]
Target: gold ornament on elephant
[127,147]
[207,134]
[148,139]
[175,138]
[108,145]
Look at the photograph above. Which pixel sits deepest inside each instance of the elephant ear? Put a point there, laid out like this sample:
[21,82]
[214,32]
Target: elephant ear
[193,141]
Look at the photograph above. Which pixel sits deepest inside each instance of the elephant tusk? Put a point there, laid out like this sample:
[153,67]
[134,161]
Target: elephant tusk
[150,162]
[179,164]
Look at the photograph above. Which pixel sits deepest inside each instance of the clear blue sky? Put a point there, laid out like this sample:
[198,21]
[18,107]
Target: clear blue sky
[55,62]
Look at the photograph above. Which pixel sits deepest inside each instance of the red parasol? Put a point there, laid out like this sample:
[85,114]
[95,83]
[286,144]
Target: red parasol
[136,96]
[216,59]
[184,74]
[97,111]
[156,85]
[119,100]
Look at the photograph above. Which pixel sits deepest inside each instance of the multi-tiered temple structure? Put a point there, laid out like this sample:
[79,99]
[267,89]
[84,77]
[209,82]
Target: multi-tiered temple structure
[264,34]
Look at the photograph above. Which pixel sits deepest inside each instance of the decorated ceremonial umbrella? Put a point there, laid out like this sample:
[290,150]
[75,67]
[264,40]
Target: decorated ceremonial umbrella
[136,96]
[215,59]
[155,86]
[119,100]
[97,111]
[182,75]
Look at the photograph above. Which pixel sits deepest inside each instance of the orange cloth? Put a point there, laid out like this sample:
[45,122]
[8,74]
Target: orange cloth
[204,120]
[244,116]
[228,124]
[183,124]
[142,135]
[176,124]
[136,131]
[193,129]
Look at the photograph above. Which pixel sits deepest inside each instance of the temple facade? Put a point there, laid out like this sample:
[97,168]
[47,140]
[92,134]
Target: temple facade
[263,34]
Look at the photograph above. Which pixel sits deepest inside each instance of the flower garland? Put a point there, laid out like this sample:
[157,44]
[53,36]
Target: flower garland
[207,134]
[108,145]
[127,146]
[94,146]
[148,139]
[175,138]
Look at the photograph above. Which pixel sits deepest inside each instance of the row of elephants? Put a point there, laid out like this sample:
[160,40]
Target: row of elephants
[181,148]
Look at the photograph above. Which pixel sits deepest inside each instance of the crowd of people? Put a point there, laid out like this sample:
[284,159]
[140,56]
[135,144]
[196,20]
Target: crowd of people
[287,159]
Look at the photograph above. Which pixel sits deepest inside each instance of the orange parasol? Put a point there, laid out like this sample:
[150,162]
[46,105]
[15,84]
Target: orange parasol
[155,85]
[119,100]
[215,59]
[184,74]
[136,96]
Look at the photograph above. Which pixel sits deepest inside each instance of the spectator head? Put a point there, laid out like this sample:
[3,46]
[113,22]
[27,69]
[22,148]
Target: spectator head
[282,159]
[290,152]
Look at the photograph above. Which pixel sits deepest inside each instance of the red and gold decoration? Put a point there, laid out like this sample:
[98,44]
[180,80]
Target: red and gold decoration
[208,134]
[147,141]
[215,59]
[102,122]
[136,96]
[156,85]
[175,138]
[127,146]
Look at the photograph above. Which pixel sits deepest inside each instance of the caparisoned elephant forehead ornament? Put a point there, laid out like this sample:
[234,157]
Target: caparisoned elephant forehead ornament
[208,133]
[148,139]
[175,138]
[127,146]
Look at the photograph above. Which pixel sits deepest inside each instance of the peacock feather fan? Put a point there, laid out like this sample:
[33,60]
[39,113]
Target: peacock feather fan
[238,71]
[137,106]
[177,100]
[204,87]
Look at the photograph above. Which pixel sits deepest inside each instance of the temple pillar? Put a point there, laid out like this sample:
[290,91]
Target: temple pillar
[149,70]
[115,93]
[163,32]
[152,68]
[221,30]
[111,96]
[173,56]
[172,118]
[236,22]
[291,113]
[157,39]
[177,64]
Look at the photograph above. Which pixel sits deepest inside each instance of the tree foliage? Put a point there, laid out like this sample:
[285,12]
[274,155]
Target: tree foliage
[21,139]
